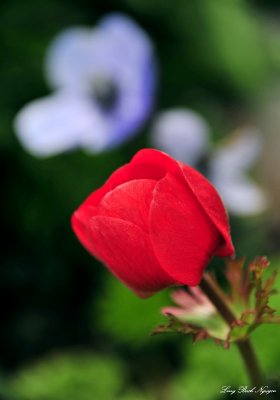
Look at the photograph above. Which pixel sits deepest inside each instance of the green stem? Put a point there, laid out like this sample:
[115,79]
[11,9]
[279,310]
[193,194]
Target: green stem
[217,297]
[250,360]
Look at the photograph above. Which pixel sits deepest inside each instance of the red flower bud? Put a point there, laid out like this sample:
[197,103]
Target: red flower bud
[154,223]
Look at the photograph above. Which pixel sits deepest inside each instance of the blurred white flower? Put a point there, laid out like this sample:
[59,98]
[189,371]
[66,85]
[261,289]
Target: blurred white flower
[104,80]
[185,135]
[182,133]
[227,171]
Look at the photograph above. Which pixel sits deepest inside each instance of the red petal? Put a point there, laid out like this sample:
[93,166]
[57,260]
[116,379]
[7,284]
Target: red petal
[183,237]
[155,164]
[127,252]
[211,202]
[130,202]
[118,177]
[80,225]
[146,164]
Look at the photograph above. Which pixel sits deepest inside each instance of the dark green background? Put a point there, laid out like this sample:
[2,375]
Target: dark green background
[215,56]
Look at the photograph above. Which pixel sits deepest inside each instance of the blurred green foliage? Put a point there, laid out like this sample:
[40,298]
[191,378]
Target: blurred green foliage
[70,376]
[213,55]
[117,307]
[82,375]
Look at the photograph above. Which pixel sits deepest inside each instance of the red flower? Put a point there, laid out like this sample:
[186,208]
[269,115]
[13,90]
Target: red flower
[154,223]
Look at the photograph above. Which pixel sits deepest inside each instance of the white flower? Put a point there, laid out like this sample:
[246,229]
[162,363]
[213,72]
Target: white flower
[182,133]
[185,135]
[104,81]
[228,167]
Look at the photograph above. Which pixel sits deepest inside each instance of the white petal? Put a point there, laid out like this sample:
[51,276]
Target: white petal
[98,138]
[79,55]
[68,59]
[228,168]
[241,196]
[182,133]
[129,39]
[58,123]
[240,152]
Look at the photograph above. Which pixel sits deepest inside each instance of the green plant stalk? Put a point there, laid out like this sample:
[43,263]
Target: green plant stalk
[219,300]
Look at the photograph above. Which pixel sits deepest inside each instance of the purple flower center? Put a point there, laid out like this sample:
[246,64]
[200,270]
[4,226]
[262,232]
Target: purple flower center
[105,92]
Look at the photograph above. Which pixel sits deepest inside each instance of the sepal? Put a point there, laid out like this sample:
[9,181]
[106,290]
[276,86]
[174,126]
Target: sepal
[248,297]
